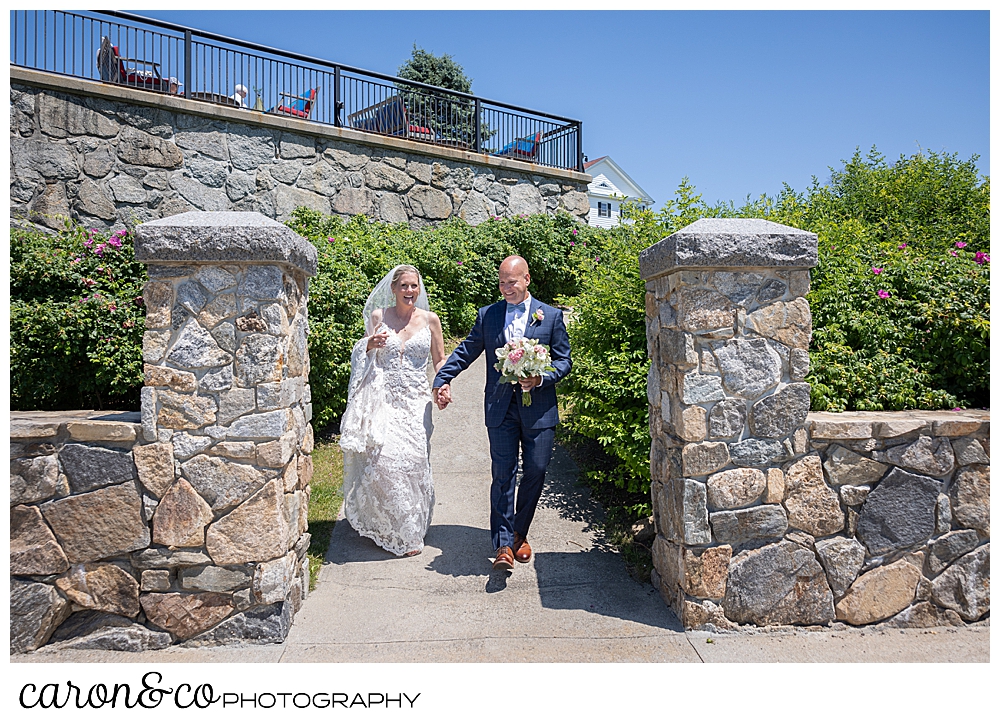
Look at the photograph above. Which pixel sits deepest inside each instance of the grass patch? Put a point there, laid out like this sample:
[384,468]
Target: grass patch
[324,501]
[624,510]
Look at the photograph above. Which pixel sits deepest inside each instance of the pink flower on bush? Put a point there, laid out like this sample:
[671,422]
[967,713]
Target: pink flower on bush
[112,307]
[330,240]
[89,282]
[953,252]
[459,263]
[515,356]
[100,249]
[961,244]
[902,246]
[982,258]
[574,232]
[876,270]
[597,258]
[883,294]
[115,241]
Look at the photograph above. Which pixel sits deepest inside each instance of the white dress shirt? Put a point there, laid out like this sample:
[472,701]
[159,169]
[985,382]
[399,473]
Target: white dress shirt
[515,323]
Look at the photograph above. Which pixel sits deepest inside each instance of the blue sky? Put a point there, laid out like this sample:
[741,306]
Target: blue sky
[739,102]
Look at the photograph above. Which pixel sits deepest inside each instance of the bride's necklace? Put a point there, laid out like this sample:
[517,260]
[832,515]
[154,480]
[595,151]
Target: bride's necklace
[398,332]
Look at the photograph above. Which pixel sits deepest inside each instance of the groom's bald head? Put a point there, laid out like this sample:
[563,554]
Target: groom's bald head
[514,279]
[514,265]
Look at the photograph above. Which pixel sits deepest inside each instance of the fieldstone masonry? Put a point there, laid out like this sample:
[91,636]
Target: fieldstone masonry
[185,523]
[767,514]
[111,156]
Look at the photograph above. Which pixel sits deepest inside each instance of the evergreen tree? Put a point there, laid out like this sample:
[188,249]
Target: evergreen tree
[442,71]
[451,117]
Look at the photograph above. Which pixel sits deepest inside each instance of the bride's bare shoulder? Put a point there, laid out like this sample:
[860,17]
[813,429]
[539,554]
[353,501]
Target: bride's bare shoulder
[433,321]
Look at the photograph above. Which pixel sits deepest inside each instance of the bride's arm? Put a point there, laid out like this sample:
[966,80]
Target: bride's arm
[379,339]
[437,342]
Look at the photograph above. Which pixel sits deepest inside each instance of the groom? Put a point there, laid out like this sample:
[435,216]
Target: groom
[513,427]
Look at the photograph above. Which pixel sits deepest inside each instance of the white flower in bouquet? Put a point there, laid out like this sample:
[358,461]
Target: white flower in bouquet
[521,359]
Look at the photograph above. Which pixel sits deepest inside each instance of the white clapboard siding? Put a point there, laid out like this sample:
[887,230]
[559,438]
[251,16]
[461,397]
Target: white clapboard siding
[612,185]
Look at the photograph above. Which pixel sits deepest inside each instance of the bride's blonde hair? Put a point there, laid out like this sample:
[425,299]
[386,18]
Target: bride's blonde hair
[405,269]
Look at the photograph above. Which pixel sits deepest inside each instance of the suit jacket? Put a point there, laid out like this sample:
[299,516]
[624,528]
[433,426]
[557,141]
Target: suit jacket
[487,335]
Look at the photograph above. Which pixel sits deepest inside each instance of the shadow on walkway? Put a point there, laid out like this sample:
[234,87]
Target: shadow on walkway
[578,581]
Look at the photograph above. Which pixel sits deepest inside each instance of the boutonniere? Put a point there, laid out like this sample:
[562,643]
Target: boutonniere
[538,317]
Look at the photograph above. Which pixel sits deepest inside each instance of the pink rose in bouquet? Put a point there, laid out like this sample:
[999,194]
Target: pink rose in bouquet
[521,359]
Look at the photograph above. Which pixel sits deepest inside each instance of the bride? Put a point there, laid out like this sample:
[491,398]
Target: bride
[386,428]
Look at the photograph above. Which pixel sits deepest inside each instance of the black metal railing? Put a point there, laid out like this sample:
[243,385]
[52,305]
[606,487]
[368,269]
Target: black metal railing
[160,57]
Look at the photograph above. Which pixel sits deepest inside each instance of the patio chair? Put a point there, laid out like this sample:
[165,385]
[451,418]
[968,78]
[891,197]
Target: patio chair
[112,68]
[522,149]
[297,106]
[391,118]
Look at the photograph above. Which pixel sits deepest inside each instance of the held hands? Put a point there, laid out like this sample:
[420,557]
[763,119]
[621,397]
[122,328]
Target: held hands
[442,396]
[377,341]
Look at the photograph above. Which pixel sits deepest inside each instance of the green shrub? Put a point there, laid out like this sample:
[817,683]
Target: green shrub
[76,320]
[920,221]
[606,392]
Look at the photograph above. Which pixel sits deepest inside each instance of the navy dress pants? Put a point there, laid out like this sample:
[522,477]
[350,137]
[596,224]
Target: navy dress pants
[535,448]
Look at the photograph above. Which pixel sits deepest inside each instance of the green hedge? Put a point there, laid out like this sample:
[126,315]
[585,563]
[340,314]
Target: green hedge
[76,320]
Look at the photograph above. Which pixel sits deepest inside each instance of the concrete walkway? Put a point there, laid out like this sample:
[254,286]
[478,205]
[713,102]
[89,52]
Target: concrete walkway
[573,602]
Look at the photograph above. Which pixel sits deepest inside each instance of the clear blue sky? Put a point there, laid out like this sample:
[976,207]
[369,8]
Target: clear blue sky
[737,101]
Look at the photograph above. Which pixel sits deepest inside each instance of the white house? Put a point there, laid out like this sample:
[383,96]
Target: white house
[611,186]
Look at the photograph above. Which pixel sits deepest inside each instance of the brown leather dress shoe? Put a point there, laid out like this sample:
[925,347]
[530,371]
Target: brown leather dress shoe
[522,550]
[505,559]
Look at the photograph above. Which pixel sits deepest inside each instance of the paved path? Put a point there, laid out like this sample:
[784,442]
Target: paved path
[573,602]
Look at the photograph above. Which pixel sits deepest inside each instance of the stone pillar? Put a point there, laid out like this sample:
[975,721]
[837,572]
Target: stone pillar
[225,412]
[737,502]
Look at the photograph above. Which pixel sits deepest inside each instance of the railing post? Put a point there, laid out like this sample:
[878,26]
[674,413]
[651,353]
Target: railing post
[187,63]
[579,147]
[336,96]
[479,126]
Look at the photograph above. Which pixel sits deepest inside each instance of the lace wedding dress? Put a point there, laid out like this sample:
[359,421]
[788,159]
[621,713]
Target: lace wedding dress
[385,434]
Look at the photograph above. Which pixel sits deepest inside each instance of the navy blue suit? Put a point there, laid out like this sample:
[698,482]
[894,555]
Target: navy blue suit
[512,427]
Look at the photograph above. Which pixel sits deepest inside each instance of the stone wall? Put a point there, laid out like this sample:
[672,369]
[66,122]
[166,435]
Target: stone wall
[186,523]
[765,514]
[111,156]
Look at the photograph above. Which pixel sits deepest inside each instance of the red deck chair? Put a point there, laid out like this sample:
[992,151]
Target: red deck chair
[298,106]
[112,68]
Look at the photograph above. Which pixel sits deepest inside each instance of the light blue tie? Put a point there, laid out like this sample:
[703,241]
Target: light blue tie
[515,307]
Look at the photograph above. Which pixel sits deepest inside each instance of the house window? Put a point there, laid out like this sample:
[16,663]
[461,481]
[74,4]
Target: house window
[603,209]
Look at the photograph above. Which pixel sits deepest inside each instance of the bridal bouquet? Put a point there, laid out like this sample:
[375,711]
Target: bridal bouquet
[521,359]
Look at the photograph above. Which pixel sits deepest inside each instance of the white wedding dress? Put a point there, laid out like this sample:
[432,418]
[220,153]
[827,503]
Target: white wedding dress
[385,434]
